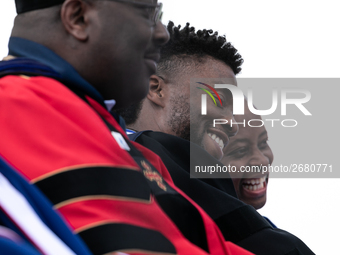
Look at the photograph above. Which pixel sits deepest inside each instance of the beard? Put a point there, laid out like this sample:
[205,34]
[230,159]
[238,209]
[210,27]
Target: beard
[131,113]
[180,121]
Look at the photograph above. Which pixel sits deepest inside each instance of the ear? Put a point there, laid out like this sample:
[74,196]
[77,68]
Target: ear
[74,16]
[157,93]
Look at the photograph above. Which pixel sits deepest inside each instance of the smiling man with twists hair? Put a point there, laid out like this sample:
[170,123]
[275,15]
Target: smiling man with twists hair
[166,111]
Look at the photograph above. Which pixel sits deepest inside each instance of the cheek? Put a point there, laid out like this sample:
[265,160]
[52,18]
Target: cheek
[271,158]
[197,120]
[195,112]
[147,39]
[228,108]
[132,45]
[195,104]
[269,154]
[236,164]
[215,112]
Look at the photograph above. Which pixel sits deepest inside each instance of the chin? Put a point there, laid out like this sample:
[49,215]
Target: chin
[138,96]
[257,204]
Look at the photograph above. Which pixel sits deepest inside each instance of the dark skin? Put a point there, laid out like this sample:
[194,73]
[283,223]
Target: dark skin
[249,148]
[167,106]
[113,45]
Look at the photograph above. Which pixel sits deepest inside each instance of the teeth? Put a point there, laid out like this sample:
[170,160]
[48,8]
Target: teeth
[218,140]
[254,184]
[221,144]
[263,179]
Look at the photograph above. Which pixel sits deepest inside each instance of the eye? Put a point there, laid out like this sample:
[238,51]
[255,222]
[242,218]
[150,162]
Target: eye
[263,144]
[239,152]
[222,100]
[150,12]
[147,12]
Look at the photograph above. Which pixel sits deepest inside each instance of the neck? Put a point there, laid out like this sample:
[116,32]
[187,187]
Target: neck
[143,125]
[147,120]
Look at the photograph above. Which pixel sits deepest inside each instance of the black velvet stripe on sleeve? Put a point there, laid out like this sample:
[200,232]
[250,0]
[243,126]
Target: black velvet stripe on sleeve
[183,213]
[189,221]
[92,181]
[115,237]
[241,223]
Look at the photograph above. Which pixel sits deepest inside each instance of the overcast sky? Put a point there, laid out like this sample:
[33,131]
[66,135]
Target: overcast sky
[281,39]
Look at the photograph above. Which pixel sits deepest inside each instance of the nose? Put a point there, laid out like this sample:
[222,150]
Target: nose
[231,128]
[258,158]
[161,35]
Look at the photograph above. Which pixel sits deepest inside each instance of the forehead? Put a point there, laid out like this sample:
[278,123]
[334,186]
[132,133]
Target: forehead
[187,67]
[212,72]
[214,69]
[206,70]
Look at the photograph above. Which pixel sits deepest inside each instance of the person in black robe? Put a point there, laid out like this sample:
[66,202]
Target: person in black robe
[162,122]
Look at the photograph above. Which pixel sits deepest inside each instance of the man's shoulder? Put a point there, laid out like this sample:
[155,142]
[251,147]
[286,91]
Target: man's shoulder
[37,92]
[44,116]
[174,148]
[179,155]
[171,143]
[170,148]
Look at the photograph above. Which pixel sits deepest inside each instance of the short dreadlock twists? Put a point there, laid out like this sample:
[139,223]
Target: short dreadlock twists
[186,43]
[186,50]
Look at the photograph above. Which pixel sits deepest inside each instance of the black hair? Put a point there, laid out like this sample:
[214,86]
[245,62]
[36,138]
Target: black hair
[187,44]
